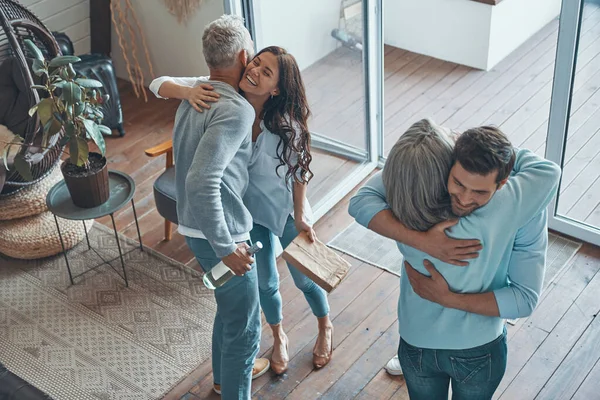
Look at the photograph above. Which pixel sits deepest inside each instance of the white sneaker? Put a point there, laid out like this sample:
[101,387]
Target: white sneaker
[393,367]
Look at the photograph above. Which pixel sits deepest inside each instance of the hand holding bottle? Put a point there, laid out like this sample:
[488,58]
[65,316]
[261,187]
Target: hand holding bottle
[239,262]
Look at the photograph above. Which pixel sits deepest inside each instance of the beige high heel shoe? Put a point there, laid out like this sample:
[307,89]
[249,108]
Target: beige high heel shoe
[321,360]
[280,367]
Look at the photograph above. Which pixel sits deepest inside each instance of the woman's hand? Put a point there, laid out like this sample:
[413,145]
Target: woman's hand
[198,96]
[302,226]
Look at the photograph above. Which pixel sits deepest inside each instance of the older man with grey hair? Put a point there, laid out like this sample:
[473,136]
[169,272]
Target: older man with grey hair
[212,151]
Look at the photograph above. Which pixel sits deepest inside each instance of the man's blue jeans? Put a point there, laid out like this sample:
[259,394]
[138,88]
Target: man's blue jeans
[475,373]
[236,331]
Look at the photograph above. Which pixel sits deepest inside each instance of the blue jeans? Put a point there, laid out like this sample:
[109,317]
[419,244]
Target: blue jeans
[268,277]
[474,373]
[236,331]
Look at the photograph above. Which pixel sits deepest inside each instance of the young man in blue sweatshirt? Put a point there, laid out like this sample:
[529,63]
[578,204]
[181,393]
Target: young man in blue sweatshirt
[451,321]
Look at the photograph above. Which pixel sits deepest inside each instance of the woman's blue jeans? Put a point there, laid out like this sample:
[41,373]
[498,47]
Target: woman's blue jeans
[268,277]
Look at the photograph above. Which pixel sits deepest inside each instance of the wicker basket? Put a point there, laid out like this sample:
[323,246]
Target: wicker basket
[31,200]
[36,237]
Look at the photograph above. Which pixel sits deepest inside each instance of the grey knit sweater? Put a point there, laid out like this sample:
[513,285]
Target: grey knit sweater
[212,151]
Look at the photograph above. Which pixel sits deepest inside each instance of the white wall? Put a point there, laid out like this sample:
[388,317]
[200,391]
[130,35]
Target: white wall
[69,16]
[302,27]
[452,30]
[515,21]
[175,49]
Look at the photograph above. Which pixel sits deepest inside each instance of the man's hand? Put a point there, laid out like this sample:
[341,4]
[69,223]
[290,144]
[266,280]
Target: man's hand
[239,261]
[302,226]
[198,96]
[433,288]
[452,251]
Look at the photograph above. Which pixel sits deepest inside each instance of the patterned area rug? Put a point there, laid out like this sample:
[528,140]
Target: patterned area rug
[98,339]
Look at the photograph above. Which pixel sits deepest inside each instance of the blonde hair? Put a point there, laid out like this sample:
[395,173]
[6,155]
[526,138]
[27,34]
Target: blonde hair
[415,175]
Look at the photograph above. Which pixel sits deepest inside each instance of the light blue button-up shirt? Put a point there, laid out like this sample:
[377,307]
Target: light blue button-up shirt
[512,229]
[270,196]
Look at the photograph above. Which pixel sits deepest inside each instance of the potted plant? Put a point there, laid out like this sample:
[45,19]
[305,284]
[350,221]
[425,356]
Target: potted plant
[72,104]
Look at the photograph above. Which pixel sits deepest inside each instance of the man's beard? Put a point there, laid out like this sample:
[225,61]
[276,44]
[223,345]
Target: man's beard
[460,211]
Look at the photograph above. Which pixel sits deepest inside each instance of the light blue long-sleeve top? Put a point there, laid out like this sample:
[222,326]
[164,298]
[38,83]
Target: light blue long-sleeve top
[512,229]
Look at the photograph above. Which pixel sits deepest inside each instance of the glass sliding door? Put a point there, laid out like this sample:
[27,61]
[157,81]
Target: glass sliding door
[574,128]
[338,46]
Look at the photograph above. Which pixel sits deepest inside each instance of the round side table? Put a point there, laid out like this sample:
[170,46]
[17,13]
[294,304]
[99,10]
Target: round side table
[122,189]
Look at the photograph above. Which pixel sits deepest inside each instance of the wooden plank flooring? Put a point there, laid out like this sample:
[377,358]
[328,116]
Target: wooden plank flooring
[554,354]
[514,95]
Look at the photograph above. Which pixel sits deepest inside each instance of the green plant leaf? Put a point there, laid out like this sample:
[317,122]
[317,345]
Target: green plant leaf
[79,151]
[94,133]
[63,141]
[51,128]
[78,109]
[58,84]
[33,109]
[39,68]
[35,51]
[89,83]
[23,168]
[6,153]
[71,93]
[71,71]
[38,87]
[105,130]
[69,129]
[63,60]
[98,112]
[45,109]
[64,74]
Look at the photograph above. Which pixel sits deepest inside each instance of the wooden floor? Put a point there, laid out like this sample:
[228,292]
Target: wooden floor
[553,355]
[515,96]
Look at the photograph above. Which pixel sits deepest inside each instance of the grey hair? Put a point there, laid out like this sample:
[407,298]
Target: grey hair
[223,39]
[415,175]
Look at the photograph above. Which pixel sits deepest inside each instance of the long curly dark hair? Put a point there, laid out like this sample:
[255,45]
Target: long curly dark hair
[286,115]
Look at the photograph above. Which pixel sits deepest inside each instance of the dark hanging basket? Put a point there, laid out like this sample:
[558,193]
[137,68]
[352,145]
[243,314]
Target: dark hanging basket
[88,188]
[17,24]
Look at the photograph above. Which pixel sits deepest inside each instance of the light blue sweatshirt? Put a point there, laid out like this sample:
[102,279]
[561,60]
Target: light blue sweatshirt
[508,252]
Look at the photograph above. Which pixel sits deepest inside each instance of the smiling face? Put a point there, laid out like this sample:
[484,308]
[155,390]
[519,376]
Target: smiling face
[470,191]
[261,77]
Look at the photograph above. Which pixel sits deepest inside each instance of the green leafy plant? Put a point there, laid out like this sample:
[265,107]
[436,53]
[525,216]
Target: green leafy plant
[68,102]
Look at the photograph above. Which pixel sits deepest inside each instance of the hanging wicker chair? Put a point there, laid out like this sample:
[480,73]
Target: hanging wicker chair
[16,95]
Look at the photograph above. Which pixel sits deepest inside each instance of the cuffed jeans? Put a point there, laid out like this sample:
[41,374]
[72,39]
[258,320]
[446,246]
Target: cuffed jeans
[268,277]
[236,331]
[475,373]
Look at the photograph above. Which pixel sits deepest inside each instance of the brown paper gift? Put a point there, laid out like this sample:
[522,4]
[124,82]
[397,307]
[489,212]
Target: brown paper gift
[317,261]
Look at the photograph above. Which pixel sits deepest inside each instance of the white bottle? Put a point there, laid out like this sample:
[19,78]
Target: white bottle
[220,273]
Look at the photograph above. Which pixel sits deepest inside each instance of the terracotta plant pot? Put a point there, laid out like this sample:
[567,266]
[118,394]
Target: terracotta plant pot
[88,188]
